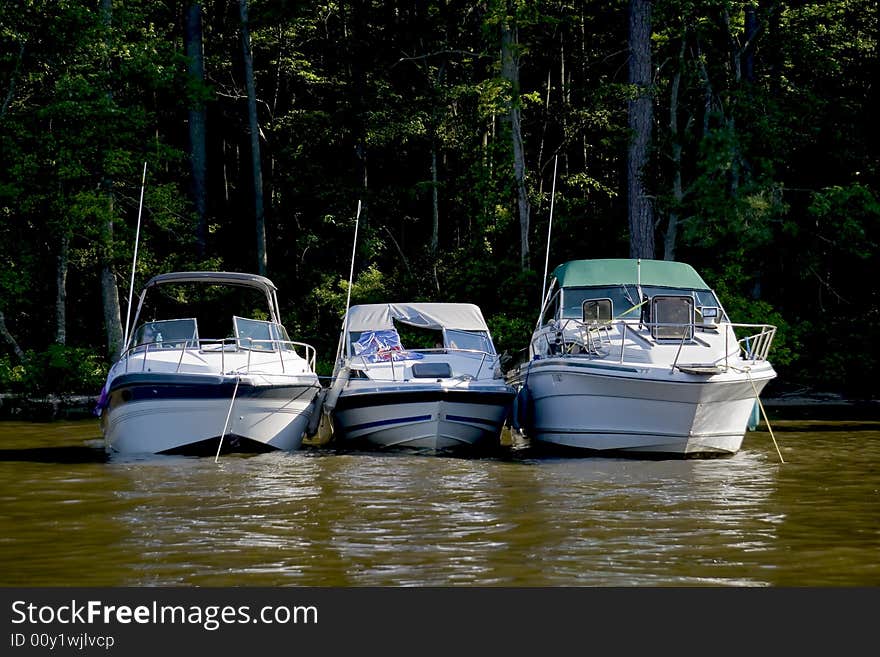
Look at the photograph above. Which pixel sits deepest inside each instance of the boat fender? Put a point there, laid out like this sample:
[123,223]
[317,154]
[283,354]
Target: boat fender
[521,415]
[336,389]
[317,411]
[754,417]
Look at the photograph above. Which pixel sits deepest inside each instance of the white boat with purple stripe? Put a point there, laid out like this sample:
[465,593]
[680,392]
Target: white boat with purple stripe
[249,388]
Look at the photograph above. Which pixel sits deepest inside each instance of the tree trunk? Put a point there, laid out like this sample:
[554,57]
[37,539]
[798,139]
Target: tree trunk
[510,73]
[254,129]
[4,331]
[10,94]
[708,91]
[435,200]
[198,159]
[112,316]
[748,49]
[675,138]
[61,266]
[539,162]
[109,291]
[641,219]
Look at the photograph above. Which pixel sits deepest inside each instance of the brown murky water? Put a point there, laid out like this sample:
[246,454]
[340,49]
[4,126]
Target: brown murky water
[69,516]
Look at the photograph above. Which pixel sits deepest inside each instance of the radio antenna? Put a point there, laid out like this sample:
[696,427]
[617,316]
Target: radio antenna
[549,229]
[137,236]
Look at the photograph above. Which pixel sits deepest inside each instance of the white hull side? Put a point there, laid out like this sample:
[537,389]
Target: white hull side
[168,425]
[659,412]
[429,425]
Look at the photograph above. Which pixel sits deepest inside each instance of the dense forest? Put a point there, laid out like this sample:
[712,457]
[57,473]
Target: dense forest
[739,136]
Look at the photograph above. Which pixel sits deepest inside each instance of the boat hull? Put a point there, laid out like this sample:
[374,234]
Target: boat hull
[611,409]
[186,414]
[434,419]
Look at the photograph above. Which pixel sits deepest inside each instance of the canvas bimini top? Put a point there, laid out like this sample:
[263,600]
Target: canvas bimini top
[253,281]
[623,271]
[381,316]
[214,277]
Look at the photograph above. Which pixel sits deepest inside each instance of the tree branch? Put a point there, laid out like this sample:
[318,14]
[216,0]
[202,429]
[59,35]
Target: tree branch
[11,92]
[8,337]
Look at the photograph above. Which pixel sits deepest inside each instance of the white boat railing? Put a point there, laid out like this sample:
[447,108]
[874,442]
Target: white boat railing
[458,372]
[756,346]
[575,338]
[223,346]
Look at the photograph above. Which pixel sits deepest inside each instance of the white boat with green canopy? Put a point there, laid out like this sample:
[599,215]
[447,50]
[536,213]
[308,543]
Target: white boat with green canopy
[638,357]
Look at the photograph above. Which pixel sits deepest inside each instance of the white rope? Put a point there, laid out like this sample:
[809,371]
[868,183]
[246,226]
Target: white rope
[226,423]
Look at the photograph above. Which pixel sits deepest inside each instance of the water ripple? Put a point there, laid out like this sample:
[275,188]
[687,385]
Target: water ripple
[316,518]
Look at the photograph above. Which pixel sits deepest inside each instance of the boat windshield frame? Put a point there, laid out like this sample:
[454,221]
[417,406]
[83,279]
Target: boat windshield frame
[207,278]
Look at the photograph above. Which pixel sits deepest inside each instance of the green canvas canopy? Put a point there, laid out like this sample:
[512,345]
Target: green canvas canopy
[621,271]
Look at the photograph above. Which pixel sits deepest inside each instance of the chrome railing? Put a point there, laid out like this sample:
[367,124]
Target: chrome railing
[376,368]
[142,351]
[573,337]
[756,346]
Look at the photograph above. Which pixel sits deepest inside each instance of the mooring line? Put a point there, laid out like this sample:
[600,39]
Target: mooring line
[228,414]
[764,413]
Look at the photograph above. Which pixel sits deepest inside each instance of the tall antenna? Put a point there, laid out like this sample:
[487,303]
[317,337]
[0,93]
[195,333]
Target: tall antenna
[351,271]
[137,236]
[549,228]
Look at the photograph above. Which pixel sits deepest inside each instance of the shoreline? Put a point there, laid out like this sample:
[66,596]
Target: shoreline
[80,407]
[47,409]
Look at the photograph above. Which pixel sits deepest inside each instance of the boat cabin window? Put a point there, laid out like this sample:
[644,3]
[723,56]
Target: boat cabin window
[167,333]
[597,310]
[673,317]
[475,340]
[258,335]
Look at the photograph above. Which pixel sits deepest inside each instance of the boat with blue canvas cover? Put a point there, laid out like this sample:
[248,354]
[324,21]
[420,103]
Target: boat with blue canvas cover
[179,389]
[639,358]
[447,396]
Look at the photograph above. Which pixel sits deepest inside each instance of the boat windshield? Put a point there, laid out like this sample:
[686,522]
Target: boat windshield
[379,346]
[625,299]
[702,298]
[258,335]
[474,340]
[168,332]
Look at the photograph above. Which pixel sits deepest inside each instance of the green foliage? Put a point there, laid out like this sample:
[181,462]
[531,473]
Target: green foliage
[845,219]
[510,334]
[59,370]
[773,144]
[788,341]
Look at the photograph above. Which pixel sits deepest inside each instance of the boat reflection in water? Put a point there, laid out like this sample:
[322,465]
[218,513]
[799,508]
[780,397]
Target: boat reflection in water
[317,517]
